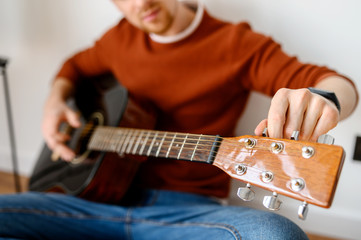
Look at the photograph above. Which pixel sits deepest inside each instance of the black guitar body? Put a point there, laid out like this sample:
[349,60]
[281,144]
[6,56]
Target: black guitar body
[102,95]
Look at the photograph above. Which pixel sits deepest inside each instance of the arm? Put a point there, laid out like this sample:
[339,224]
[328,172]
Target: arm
[56,112]
[309,113]
[89,62]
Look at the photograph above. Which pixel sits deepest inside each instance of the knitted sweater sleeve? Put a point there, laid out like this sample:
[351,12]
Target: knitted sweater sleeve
[268,68]
[92,61]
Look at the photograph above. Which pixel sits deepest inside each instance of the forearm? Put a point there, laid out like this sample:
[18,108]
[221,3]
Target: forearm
[346,93]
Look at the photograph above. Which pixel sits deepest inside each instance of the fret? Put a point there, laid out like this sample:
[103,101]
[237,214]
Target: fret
[138,141]
[160,145]
[152,143]
[104,135]
[195,148]
[188,151]
[94,142]
[123,134]
[180,151]
[113,138]
[144,143]
[171,144]
[126,140]
[132,139]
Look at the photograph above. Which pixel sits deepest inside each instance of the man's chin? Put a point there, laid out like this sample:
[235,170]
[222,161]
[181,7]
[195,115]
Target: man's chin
[155,30]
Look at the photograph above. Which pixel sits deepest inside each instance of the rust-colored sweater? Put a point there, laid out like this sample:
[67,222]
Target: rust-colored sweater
[200,85]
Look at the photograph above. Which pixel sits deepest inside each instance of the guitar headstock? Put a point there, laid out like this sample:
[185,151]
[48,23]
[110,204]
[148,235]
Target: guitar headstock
[306,171]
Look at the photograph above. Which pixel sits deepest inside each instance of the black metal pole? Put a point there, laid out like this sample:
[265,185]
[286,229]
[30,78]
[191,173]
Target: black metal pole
[3,63]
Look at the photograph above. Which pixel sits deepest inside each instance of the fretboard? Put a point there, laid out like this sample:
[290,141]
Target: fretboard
[192,147]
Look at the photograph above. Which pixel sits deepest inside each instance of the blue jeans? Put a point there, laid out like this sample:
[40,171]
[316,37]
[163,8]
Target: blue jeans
[157,215]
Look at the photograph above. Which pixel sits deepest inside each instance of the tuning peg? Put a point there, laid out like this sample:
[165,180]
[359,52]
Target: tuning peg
[246,193]
[265,132]
[302,211]
[326,139]
[295,135]
[272,202]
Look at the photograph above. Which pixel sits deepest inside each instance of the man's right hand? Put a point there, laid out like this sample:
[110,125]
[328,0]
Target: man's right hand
[57,112]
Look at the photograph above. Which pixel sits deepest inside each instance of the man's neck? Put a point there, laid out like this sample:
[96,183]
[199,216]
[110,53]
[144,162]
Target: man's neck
[183,17]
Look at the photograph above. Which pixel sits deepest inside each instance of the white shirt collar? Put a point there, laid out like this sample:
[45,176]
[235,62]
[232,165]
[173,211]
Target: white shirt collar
[185,33]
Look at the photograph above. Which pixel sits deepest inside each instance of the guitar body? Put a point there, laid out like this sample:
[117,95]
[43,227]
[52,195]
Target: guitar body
[100,176]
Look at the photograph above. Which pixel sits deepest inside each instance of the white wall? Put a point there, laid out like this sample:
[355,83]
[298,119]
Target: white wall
[37,35]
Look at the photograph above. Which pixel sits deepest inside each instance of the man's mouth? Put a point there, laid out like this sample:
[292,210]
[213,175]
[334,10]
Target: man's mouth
[150,15]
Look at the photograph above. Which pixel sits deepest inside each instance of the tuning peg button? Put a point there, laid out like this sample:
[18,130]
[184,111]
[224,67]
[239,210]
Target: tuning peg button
[302,211]
[265,132]
[246,193]
[272,202]
[326,139]
[295,135]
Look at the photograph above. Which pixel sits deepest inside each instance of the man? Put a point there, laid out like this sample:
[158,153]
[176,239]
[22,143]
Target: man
[198,72]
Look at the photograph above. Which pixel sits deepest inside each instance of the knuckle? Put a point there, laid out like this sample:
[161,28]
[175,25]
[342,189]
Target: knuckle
[303,94]
[282,92]
[277,118]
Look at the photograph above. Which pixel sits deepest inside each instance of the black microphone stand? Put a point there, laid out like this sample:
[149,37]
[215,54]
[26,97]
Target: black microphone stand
[3,63]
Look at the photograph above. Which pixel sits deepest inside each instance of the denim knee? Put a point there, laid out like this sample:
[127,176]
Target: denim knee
[258,225]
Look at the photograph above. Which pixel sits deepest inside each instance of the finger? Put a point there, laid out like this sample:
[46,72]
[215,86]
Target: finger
[64,152]
[298,105]
[61,137]
[326,122]
[72,118]
[52,136]
[321,116]
[260,127]
[311,119]
[277,114]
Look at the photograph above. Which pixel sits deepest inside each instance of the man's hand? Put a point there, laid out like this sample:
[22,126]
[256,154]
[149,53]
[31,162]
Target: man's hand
[309,113]
[57,112]
[299,110]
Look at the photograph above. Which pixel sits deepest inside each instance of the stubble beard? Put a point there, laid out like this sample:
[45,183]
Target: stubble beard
[161,25]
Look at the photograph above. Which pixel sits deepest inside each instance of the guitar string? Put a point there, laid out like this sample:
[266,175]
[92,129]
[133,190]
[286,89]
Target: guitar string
[135,133]
[158,135]
[153,134]
[226,146]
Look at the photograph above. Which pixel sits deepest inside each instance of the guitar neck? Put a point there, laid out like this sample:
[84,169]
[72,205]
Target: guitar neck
[302,170]
[183,146]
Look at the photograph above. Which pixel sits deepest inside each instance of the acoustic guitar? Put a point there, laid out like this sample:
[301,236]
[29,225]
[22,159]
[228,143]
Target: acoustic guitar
[114,141]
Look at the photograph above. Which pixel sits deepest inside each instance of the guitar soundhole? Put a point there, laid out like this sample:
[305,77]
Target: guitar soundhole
[81,148]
